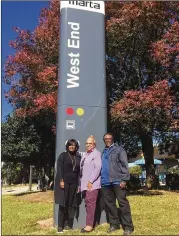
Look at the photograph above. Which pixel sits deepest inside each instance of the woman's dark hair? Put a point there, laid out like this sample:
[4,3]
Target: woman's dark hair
[72,142]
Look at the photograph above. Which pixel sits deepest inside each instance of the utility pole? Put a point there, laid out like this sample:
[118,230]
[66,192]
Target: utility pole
[30,178]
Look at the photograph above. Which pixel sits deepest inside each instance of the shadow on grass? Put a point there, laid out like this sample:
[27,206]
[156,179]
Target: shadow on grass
[11,190]
[24,193]
[172,190]
[145,192]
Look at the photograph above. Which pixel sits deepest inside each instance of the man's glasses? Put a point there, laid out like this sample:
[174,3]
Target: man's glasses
[89,143]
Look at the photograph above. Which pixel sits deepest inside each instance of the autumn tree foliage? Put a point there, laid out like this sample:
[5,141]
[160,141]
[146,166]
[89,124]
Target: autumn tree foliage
[131,27]
[147,111]
[132,30]
[148,108]
[32,71]
[31,74]
[140,76]
[142,57]
[166,52]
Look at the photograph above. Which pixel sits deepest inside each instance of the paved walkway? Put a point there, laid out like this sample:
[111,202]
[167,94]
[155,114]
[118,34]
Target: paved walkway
[16,190]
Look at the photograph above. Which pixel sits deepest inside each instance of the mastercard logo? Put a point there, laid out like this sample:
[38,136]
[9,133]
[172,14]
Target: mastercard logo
[79,111]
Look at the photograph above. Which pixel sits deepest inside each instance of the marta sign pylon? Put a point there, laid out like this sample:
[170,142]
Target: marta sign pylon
[82,79]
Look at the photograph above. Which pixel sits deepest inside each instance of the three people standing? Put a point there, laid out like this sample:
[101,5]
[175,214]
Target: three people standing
[110,171]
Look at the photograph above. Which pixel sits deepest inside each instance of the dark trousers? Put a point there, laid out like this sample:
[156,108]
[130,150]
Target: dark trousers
[90,203]
[111,193]
[66,214]
[100,206]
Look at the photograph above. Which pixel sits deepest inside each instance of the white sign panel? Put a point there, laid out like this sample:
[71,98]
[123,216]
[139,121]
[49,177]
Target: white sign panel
[95,6]
[70,124]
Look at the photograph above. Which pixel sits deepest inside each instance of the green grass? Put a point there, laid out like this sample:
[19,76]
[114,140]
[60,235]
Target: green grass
[20,217]
[152,215]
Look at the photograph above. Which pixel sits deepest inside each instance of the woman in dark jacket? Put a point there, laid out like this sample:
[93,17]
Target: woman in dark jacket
[66,185]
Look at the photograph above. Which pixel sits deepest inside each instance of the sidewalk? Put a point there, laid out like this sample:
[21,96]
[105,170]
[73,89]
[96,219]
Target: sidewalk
[17,190]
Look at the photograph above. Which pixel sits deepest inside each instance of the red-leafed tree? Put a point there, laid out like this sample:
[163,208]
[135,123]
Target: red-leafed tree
[131,27]
[32,71]
[31,74]
[166,51]
[135,32]
[139,113]
[147,111]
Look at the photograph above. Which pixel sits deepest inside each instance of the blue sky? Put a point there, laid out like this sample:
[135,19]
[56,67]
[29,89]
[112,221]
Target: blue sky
[24,15]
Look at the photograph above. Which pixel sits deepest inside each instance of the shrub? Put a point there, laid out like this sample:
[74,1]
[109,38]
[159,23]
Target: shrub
[135,170]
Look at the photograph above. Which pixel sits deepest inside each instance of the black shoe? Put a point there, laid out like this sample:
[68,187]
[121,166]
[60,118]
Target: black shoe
[83,230]
[67,228]
[113,228]
[128,232]
[60,230]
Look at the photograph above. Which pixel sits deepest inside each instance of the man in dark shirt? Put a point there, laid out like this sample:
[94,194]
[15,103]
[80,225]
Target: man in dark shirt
[114,175]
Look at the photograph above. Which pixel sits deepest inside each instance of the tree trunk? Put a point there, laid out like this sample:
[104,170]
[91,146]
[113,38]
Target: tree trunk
[25,173]
[148,151]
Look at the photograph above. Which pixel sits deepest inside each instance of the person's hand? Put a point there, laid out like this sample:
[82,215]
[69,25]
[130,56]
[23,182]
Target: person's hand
[62,184]
[89,186]
[78,189]
[123,184]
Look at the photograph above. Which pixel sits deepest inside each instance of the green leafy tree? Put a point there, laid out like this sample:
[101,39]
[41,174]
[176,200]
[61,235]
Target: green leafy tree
[20,140]
[28,141]
[174,170]
[135,170]
[12,173]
